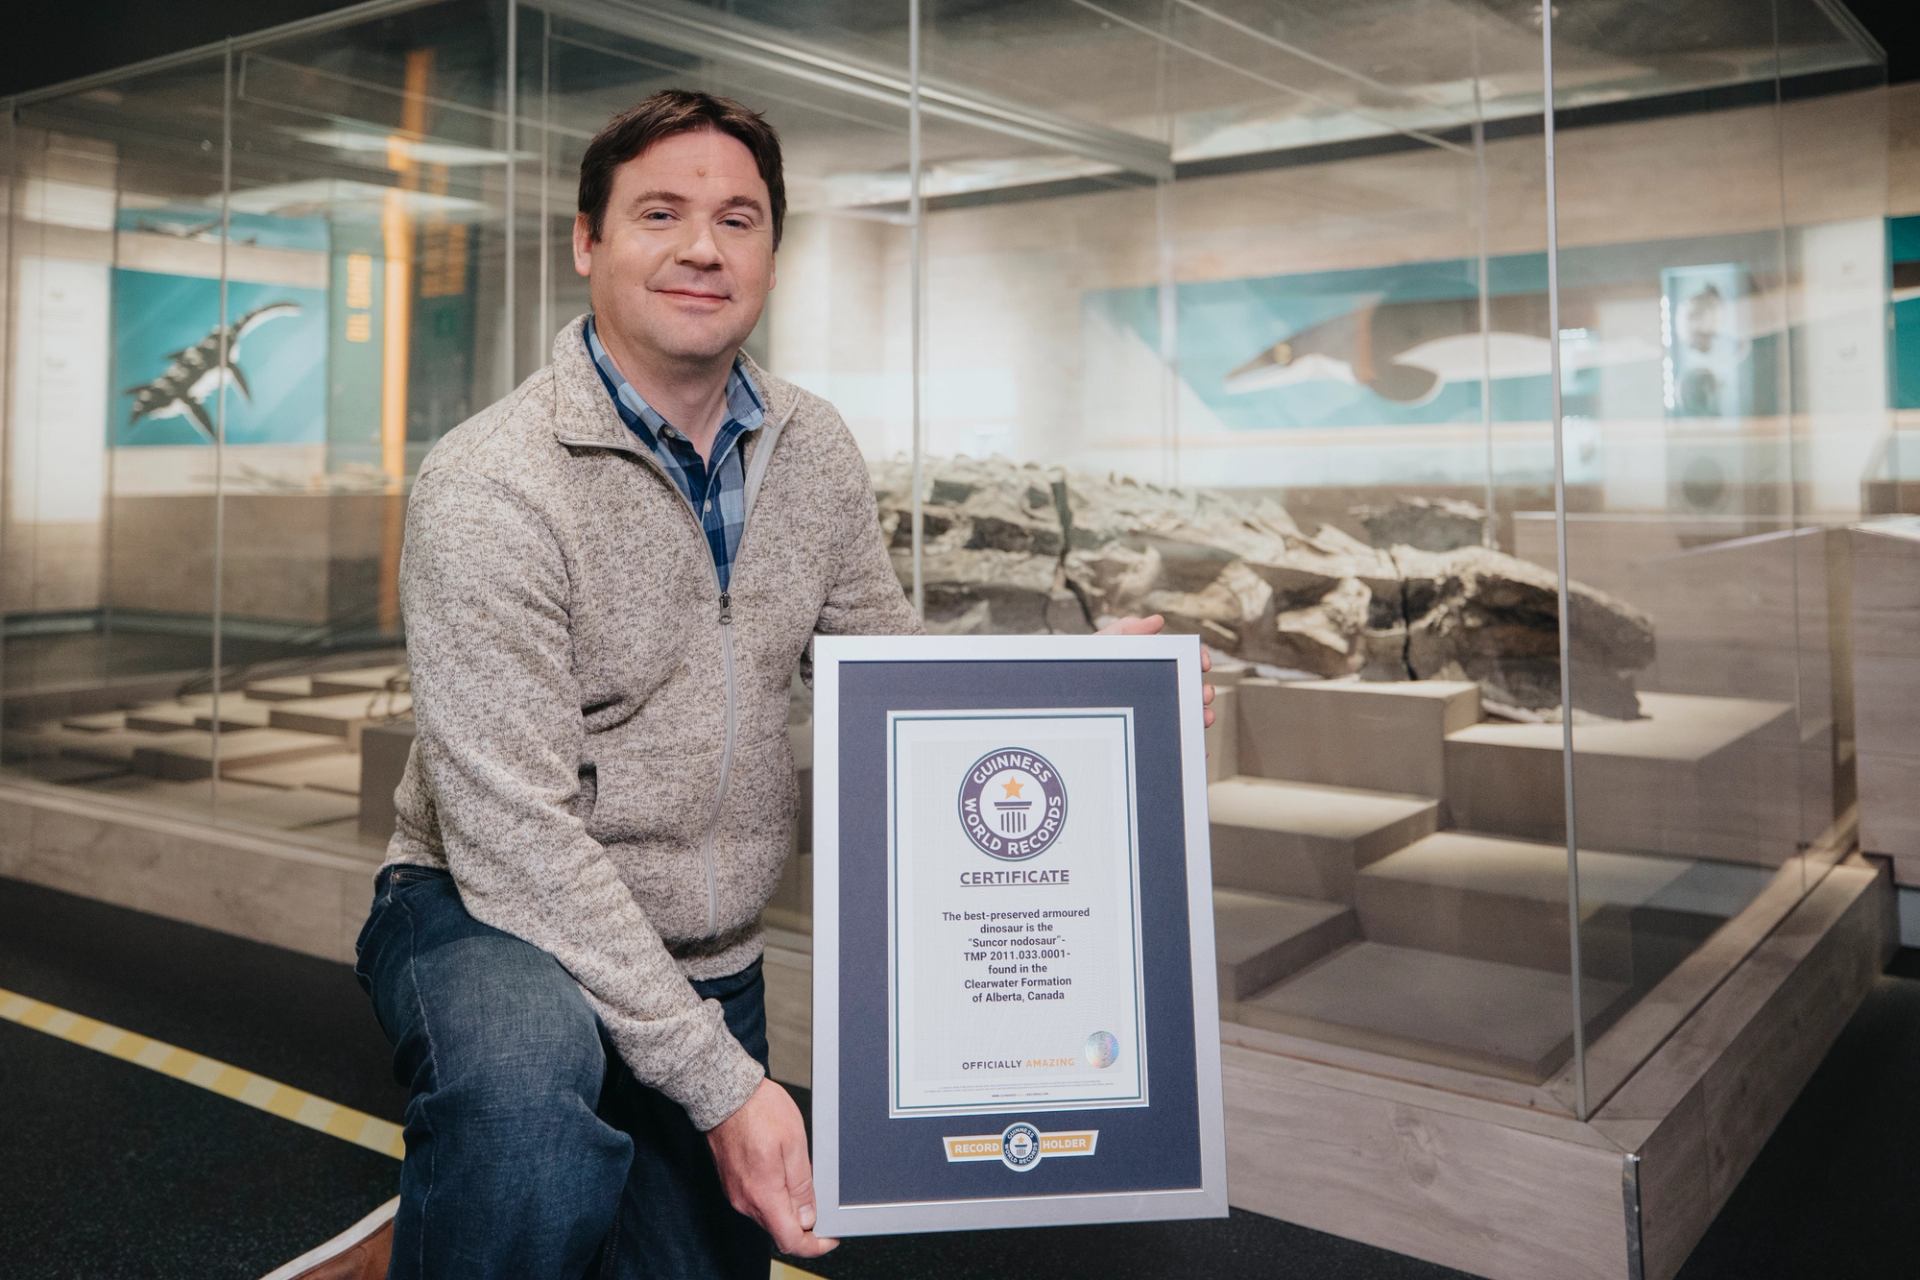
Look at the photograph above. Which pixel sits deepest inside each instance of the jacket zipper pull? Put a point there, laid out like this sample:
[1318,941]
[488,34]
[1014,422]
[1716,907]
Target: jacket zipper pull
[726,608]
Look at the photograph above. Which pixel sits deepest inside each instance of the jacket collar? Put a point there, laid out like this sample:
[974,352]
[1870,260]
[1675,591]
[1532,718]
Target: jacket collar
[583,412]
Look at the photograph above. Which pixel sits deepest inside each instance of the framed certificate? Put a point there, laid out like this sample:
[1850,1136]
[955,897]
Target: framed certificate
[1015,1021]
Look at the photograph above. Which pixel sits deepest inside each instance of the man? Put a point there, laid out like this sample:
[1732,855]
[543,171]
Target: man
[609,578]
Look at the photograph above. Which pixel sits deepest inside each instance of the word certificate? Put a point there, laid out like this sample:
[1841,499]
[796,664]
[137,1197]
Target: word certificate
[1014,937]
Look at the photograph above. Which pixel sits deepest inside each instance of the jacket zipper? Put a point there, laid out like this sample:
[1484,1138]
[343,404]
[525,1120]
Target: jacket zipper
[726,755]
[731,729]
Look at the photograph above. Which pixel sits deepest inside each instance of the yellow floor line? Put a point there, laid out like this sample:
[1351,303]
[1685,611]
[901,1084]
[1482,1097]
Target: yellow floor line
[217,1077]
[231,1082]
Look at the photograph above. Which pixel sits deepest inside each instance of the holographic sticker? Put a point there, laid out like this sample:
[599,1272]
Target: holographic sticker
[1103,1049]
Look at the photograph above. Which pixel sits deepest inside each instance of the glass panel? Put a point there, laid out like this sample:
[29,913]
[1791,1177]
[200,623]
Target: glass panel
[116,405]
[1291,332]
[367,277]
[1364,339]
[1045,315]
[1704,735]
[867,37]
[1846,386]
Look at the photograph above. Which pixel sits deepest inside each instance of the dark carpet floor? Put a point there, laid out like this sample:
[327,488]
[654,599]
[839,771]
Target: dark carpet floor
[289,1017]
[111,1170]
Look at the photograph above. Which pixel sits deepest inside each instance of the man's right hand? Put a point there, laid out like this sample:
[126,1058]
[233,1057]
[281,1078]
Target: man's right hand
[761,1151]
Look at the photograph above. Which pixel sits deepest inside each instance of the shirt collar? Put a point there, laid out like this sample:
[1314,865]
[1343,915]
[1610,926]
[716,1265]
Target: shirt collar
[746,408]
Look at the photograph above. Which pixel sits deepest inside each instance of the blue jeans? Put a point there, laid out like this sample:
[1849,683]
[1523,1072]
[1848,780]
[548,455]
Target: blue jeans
[532,1152]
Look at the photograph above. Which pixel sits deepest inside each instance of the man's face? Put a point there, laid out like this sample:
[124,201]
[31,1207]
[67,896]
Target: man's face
[685,256]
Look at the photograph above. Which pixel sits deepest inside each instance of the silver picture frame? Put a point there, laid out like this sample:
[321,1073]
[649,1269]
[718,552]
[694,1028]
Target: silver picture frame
[1206,1199]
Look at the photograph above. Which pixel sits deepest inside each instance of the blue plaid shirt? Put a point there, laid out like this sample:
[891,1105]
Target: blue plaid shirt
[716,487]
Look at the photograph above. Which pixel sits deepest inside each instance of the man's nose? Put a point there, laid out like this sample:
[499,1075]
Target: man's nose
[699,249]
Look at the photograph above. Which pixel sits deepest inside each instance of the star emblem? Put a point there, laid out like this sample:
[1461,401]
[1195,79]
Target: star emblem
[1013,789]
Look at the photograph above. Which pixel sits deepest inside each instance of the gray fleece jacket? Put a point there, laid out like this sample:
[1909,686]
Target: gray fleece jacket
[602,758]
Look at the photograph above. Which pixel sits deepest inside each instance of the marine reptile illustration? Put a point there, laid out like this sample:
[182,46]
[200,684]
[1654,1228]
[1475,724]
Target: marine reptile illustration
[1407,350]
[194,373]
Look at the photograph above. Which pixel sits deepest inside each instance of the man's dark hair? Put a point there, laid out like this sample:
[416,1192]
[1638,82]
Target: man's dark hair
[662,115]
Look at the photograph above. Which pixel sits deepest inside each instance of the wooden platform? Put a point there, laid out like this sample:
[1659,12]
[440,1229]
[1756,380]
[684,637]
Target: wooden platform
[1696,777]
[96,722]
[197,712]
[1380,737]
[1475,1015]
[288,749]
[338,772]
[1308,839]
[280,688]
[1261,939]
[339,715]
[271,808]
[1501,899]
[103,746]
[360,680]
[190,753]
[1443,835]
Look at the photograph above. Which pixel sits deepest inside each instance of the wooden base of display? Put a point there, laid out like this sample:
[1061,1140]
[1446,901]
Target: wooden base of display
[1507,1191]
[1492,1177]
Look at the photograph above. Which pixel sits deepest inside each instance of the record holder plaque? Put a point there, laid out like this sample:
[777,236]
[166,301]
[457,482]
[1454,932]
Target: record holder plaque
[1015,1020]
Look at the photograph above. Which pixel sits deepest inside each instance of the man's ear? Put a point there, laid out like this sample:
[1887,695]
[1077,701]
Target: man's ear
[582,244]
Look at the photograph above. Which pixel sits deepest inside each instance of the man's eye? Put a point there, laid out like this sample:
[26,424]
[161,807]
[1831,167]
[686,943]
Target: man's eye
[655,215]
[738,224]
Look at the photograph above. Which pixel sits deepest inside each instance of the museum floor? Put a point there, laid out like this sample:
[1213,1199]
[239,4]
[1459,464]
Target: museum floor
[111,1167]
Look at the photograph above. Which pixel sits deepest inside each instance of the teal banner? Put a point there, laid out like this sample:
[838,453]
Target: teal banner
[1402,345]
[1903,359]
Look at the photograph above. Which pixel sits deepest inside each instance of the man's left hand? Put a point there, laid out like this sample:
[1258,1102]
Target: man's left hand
[1151,625]
[761,1153]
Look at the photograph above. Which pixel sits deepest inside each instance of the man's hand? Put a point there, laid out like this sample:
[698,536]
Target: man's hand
[761,1151]
[1151,626]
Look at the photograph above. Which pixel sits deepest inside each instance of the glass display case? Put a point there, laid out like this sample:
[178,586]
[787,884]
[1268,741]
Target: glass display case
[1500,481]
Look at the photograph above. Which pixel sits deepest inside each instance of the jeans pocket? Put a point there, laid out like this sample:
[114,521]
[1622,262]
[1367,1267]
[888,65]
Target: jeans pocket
[402,874]
[361,969]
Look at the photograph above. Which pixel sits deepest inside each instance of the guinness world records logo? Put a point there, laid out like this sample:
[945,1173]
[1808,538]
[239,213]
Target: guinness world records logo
[1012,804]
[1020,1146]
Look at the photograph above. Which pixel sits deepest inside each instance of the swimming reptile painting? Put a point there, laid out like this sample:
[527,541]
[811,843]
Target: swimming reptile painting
[1661,329]
[195,373]
[1407,351]
[169,374]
